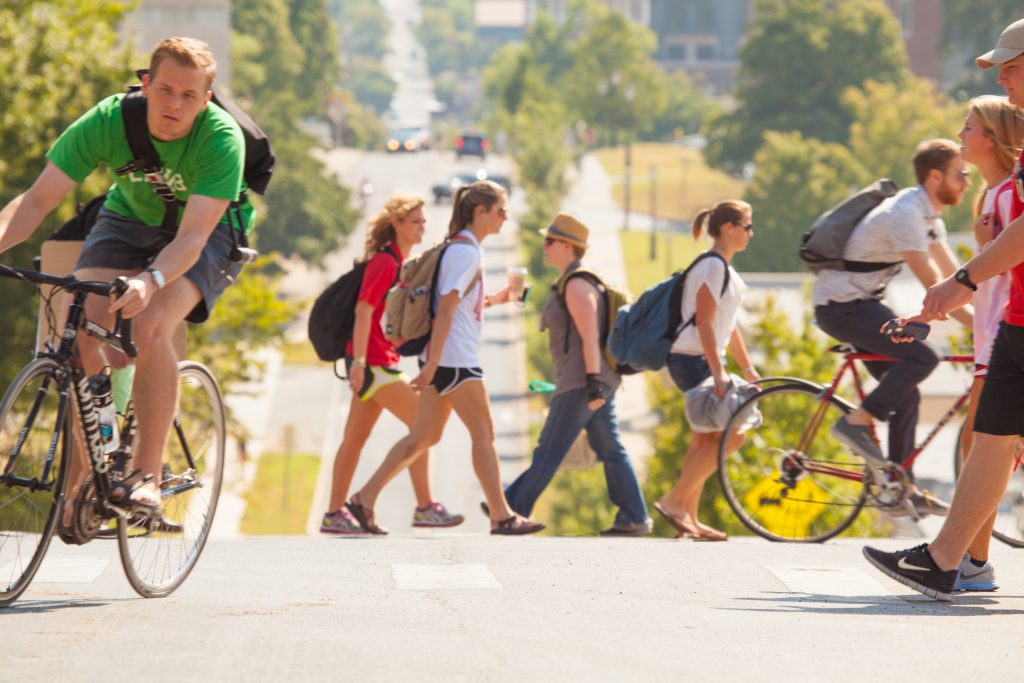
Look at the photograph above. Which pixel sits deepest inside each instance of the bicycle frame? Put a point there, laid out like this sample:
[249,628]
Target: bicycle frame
[829,392]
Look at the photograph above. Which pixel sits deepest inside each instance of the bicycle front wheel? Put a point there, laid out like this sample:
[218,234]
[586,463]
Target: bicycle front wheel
[33,468]
[158,555]
[791,480]
[1009,526]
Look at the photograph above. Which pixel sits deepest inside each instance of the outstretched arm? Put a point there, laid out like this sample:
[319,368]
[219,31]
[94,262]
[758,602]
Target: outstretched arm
[24,213]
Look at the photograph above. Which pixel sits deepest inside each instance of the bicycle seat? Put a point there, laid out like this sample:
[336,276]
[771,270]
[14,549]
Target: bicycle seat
[842,348]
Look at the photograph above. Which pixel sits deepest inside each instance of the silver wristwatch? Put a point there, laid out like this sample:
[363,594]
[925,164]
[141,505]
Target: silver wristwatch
[158,277]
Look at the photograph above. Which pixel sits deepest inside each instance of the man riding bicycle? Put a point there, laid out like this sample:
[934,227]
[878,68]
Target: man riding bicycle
[177,264]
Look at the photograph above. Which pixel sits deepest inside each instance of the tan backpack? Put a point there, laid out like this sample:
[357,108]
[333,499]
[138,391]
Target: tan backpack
[410,303]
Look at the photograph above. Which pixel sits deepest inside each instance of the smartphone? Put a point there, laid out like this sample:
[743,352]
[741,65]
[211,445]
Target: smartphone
[918,331]
[526,295]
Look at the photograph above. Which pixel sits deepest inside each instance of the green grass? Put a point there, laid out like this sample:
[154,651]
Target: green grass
[299,353]
[641,271]
[685,184]
[279,499]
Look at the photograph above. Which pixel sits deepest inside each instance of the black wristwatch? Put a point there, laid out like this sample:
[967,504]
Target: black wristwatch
[964,278]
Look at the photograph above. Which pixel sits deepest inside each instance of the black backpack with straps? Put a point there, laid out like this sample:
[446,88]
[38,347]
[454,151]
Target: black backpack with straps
[333,317]
[259,156]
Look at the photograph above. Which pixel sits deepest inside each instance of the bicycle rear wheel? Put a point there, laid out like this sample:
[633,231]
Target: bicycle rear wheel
[156,556]
[33,468]
[791,480]
[1009,526]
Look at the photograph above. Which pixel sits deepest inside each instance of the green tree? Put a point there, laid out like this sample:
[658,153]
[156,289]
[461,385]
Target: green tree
[687,107]
[795,64]
[889,123]
[370,83]
[614,84]
[60,57]
[797,179]
[315,34]
[363,26]
[307,210]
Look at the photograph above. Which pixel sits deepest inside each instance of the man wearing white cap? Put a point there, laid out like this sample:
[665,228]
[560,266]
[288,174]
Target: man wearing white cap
[932,568]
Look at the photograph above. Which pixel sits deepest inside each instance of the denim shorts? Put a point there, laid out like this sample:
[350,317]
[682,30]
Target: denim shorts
[687,371]
[125,244]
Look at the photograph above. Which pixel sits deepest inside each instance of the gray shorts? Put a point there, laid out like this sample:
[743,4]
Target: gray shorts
[126,244]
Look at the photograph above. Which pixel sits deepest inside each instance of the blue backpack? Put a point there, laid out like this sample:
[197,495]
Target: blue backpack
[643,332]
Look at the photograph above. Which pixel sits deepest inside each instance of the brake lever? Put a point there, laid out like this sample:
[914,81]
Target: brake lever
[123,326]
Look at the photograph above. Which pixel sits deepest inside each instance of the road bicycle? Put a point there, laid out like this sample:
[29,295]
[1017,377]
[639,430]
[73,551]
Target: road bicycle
[791,480]
[48,416]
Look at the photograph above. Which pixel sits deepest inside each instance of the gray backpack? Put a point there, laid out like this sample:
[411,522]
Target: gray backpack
[821,247]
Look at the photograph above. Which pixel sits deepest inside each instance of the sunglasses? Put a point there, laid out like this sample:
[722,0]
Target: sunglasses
[548,241]
[749,227]
[503,212]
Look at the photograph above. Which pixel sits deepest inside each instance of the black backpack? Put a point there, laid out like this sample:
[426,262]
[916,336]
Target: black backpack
[334,313]
[259,157]
[821,247]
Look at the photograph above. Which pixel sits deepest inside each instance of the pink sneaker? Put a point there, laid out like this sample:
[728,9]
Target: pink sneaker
[340,522]
[435,515]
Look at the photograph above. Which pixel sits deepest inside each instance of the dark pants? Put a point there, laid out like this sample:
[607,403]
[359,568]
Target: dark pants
[568,416]
[896,399]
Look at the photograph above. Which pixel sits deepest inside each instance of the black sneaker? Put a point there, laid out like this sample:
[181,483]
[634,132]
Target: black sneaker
[915,568]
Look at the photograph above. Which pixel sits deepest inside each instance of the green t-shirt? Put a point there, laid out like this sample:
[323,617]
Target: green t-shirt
[208,161]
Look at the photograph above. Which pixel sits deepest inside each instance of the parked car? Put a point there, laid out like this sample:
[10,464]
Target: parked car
[471,144]
[404,140]
[446,188]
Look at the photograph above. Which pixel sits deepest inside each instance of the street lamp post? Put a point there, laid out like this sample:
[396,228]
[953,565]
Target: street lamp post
[654,212]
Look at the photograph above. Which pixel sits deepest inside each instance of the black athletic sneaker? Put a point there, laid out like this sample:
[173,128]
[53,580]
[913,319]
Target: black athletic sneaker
[915,568]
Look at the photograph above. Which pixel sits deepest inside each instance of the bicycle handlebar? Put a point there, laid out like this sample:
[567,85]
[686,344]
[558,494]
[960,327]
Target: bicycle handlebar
[121,335]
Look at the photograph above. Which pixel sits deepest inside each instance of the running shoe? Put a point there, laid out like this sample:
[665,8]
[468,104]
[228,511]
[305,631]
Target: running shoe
[915,568]
[859,439]
[340,522]
[436,515]
[971,577]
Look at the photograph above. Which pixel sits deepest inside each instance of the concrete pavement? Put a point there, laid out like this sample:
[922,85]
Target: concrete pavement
[454,607]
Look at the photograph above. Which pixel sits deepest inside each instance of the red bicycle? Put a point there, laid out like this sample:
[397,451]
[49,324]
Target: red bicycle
[791,480]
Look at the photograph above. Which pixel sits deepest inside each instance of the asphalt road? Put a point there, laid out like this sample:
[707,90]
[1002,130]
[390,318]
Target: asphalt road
[447,607]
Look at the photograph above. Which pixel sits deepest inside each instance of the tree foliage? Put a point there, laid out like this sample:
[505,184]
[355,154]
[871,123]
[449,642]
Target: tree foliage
[889,123]
[800,55]
[306,209]
[797,179]
[614,83]
[60,57]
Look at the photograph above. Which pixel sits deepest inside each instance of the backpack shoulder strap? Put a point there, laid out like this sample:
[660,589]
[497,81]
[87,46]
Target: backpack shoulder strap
[676,323]
[146,159]
[563,282]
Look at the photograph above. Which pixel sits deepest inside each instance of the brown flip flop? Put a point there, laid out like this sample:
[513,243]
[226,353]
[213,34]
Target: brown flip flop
[683,528]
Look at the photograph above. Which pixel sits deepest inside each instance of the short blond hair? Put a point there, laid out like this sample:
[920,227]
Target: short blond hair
[188,52]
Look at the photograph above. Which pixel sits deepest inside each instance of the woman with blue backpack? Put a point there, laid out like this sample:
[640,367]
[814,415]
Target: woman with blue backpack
[711,299]
[372,367]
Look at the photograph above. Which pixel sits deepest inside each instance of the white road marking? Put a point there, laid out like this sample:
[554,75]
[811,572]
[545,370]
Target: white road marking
[56,570]
[413,577]
[838,584]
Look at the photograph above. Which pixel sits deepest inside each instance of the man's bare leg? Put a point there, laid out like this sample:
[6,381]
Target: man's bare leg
[982,483]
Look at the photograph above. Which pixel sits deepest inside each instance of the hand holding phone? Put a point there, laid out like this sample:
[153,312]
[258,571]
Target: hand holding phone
[906,332]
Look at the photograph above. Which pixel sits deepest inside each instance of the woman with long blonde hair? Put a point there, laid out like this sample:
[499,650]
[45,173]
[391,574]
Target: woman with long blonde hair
[991,140]
[376,382]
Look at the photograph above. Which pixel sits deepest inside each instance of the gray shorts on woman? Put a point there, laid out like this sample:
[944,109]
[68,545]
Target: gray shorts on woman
[126,244]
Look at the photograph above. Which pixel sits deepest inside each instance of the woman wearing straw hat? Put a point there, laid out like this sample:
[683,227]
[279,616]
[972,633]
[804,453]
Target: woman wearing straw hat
[584,396]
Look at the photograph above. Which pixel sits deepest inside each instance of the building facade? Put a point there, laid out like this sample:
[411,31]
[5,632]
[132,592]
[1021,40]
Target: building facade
[701,37]
[207,20]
